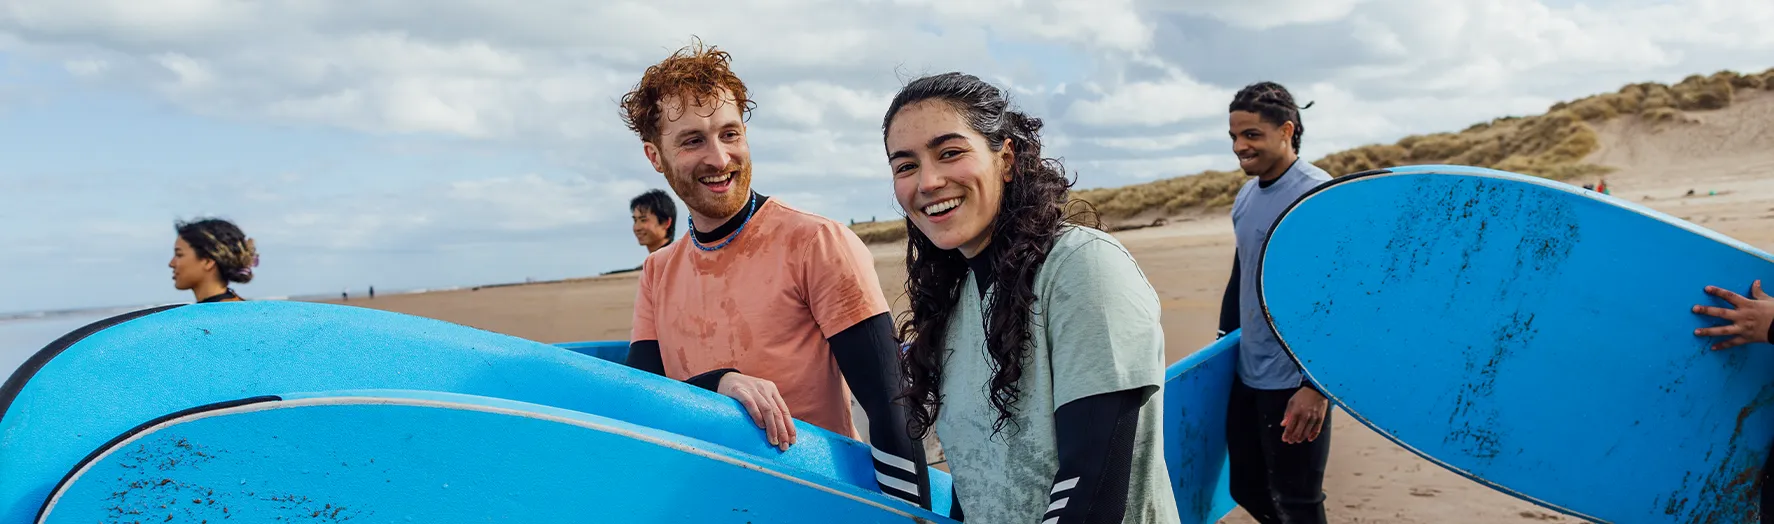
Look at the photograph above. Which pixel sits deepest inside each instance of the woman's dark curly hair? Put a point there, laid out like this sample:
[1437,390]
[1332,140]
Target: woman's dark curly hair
[1034,208]
[222,242]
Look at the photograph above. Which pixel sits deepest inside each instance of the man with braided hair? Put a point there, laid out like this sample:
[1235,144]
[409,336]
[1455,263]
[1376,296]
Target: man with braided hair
[1277,425]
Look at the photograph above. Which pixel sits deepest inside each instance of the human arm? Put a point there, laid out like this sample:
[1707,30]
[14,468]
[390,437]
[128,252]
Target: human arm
[843,294]
[1095,436]
[1751,319]
[869,359]
[1229,302]
[1107,346]
[760,398]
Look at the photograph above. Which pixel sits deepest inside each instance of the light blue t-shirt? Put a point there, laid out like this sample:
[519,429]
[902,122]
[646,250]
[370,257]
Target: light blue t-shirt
[1262,363]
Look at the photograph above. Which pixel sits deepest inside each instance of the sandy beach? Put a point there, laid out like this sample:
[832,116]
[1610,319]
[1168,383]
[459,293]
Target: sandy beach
[1713,168]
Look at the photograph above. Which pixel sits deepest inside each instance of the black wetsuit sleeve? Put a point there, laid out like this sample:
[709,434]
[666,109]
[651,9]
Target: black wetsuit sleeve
[1095,435]
[644,355]
[955,505]
[1229,302]
[869,359]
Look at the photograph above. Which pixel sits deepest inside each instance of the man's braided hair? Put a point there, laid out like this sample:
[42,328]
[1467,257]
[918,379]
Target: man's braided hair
[1274,104]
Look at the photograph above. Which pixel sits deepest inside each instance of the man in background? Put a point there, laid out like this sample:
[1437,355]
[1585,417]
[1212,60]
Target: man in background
[655,219]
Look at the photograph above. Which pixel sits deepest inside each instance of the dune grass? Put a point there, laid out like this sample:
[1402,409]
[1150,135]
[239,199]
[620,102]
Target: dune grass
[1551,145]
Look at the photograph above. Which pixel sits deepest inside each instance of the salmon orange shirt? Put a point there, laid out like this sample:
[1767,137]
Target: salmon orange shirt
[764,305]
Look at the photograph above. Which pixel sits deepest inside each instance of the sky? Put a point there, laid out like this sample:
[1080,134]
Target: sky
[437,143]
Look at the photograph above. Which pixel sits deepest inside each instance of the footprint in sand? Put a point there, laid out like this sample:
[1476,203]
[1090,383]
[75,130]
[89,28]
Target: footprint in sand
[1539,515]
[1424,492]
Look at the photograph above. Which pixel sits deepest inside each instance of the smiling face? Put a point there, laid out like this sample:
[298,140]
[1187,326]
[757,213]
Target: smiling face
[702,151]
[1263,148]
[945,175]
[188,269]
[648,229]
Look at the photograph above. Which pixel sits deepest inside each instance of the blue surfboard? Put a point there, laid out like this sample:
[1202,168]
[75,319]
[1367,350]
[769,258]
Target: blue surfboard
[420,456]
[1530,335]
[1196,391]
[108,377]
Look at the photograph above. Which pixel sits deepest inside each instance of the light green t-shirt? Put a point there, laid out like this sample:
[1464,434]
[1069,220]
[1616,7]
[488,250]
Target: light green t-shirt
[1096,330]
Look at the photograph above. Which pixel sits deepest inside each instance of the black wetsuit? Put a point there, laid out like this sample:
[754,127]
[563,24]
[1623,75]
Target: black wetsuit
[868,357]
[225,295]
[1095,439]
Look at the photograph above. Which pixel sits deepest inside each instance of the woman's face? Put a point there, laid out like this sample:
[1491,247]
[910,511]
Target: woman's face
[950,183]
[188,269]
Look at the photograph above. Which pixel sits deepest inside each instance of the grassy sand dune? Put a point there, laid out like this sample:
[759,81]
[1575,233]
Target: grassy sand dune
[1552,145]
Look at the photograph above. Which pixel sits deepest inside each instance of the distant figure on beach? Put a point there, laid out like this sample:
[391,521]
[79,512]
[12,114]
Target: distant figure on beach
[1277,425]
[655,219]
[1036,350]
[1749,321]
[768,304]
[207,255]
[372,292]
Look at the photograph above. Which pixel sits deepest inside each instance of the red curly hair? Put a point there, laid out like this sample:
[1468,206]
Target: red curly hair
[695,74]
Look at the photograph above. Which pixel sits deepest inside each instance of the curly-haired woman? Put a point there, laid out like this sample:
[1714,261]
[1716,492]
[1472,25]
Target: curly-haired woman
[1035,346]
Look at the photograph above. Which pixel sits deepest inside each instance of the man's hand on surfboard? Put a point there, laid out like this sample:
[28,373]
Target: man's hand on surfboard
[1305,416]
[1749,319]
[765,405]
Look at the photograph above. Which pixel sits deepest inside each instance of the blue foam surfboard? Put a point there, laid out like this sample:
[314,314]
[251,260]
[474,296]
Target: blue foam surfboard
[106,378]
[1196,391]
[420,456]
[1530,335]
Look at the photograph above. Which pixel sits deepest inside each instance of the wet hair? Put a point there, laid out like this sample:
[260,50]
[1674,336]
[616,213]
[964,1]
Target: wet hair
[695,74]
[1034,208]
[656,202]
[222,242]
[1274,104]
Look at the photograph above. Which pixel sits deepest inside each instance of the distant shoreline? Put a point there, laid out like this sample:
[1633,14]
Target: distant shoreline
[116,309]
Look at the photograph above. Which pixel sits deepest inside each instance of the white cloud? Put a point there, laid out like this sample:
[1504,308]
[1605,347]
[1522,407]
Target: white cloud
[1264,14]
[1175,99]
[1158,142]
[87,67]
[1116,81]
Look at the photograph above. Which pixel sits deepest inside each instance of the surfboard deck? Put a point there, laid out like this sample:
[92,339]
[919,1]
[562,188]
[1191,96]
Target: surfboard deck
[1529,335]
[108,377]
[421,456]
[1196,392]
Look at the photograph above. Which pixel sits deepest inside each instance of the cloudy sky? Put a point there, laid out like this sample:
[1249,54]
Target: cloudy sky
[454,142]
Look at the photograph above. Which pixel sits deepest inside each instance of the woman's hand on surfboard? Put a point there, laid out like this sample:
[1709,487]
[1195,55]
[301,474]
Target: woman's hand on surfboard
[765,405]
[1305,416]
[1749,317]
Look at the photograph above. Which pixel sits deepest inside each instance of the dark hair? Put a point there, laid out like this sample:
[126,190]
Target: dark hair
[221,241]
[1029,219]
[1274,104]
[656,202]
[694,73]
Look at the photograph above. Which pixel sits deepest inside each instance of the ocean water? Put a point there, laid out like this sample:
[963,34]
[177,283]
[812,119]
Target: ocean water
[22,337]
